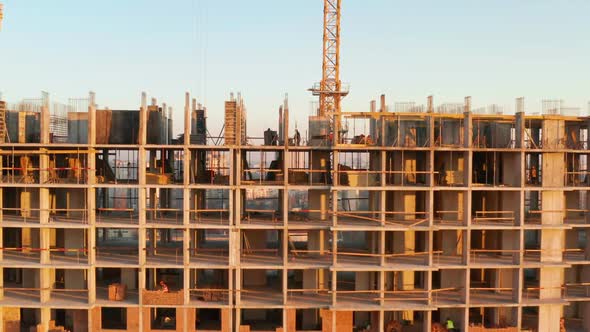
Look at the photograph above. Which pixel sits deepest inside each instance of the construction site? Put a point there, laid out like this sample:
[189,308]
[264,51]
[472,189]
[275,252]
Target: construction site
[401,217]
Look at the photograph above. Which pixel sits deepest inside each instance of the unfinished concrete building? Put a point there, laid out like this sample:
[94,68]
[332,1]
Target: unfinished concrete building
[417,214]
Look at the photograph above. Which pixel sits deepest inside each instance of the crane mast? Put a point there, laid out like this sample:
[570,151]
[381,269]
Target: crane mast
[1,15]
[330,84]
[330,90]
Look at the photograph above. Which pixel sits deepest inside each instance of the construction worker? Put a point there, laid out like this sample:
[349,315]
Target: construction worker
[450,325]
[164,286]
[442,175]
[297,138]
[534,175]
[411,137]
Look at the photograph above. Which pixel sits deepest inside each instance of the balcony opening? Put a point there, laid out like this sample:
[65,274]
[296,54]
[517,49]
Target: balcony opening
[117,245]
[498,169]
[114,318]
[262,287]
[261,247]
[164,206]
[163,319]
[209,206]
[449,208]
[262,206]
[262,319]
[208,319]
[209,286]
[408,168]
[117,166]
[210,167]
[308,320]
[117,206]
[492,318]
[450,168]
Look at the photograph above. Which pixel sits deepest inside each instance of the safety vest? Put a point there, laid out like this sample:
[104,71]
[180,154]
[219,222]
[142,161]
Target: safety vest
[450,324]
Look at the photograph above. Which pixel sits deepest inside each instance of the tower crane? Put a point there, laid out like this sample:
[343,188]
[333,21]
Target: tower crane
[3,132]
[1,15]
[330,90]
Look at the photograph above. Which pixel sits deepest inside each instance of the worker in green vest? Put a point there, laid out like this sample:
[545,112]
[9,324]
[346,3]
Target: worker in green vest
[450,325]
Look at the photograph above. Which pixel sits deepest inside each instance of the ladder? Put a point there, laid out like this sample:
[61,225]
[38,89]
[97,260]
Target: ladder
[247,248]
[3,131]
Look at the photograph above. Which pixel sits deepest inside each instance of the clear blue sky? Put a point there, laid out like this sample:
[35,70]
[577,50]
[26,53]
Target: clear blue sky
[494,51]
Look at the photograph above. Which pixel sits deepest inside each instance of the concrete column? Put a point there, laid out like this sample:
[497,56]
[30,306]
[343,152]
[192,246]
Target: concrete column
[142,198]
[550,281]
[284,203]
[45,317]
[187,118]
[318,200]
[186,200]
[316,240]
[45,119]
[186,280]
[311,280]
[430,120]
[44,236]
[1,246]
[1,229]
[229,311]
[552,239]
[236,244]
[468,129]
[143,120]
[553,133]
[285,247]
[333,273]
[362,282]
[44,239]
[405,243]
[234,249]
[91,203]
[45,282]
[520,131]
[238,287]
[549,317]
[91,119]
[45,245]
[186,244]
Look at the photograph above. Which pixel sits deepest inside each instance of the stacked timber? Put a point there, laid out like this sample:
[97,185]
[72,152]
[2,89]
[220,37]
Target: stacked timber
[117,292]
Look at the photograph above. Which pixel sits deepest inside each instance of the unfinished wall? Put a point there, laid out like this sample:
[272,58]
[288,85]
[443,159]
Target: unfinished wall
[343,321]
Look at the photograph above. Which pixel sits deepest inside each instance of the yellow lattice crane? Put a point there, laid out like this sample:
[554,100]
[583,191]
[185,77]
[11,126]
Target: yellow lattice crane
[330,89]
[1,15]
[3,133]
